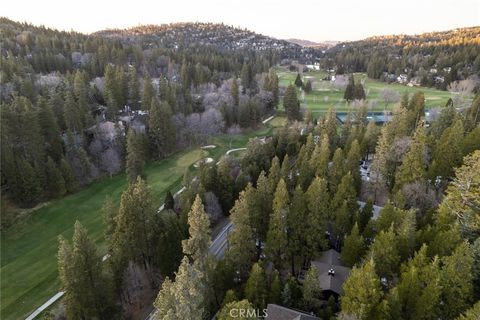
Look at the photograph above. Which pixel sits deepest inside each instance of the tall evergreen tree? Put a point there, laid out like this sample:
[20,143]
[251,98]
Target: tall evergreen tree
[277,239]
[419,288]
[256,287]
[234,92]
[384,252]
[362,294]
[135,158]
[224,185]
[456,279]
[196,246]
[354,247]
[82,277]
[317,200]
[298,81]
[242,249]
[161,129]
[148,94]
[55,184]
[413,165]
[291,103]
[448,152]
[132,239]
[50,129]
[312,291]
[71,184]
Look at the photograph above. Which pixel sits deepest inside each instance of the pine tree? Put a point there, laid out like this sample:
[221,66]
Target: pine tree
[275,292]
[308,86]
[273,87]
[71,113]
[71,184]
[456,279]
[234,92]
[370,138]
[260,215]
[26,187]
[196,246]
[55,183]
[336,171]
[50,129]
[161,129]
[149,93]
[349,94]
[135,159]
[297,228]
[111,91]
[277,236]
[169,201]
[365,215]
[359,92]
[81,95]
[311,288]
[133,91]
[242,249]
[132,239]
[413,166]
[329,128]
[183,299]
[224,185]
[317,199]
[419,288]
[351,163]
[384,252]
[354,247]
[298,81]
[256,287]
[362,294]
[320,158]
[82,277]
[448,153]
[291,103]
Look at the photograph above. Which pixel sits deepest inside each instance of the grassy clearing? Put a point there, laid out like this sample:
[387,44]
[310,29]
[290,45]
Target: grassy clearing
[29,264]
[324,96]
[28,249]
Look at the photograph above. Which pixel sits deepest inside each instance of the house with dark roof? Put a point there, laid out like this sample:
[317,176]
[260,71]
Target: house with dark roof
[332,274]
[276,312]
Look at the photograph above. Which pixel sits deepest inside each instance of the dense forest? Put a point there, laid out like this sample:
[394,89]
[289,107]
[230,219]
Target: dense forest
[281,197]
[69,100]
[433,59]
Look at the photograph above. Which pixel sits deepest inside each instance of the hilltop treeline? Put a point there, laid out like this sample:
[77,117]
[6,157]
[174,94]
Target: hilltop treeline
[434,59]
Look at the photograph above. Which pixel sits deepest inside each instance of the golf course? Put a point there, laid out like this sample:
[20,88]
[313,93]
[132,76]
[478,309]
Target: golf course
[29,248]
[325,95]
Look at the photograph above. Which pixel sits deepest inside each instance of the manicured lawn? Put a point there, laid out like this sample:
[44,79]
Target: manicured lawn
[324,96]
[28,249]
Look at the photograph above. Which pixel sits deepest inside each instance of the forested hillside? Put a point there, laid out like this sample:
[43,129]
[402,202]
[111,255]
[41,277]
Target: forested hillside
[430,59]
[69,100]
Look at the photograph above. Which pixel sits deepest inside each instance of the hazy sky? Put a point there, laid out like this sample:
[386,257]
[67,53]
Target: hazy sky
[305,19]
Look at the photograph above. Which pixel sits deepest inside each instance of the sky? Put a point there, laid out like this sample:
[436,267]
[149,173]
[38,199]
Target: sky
[307,19]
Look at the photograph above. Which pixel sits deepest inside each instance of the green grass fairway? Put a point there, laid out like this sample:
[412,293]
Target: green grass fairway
[29,264]
[324,96]
[29,248]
